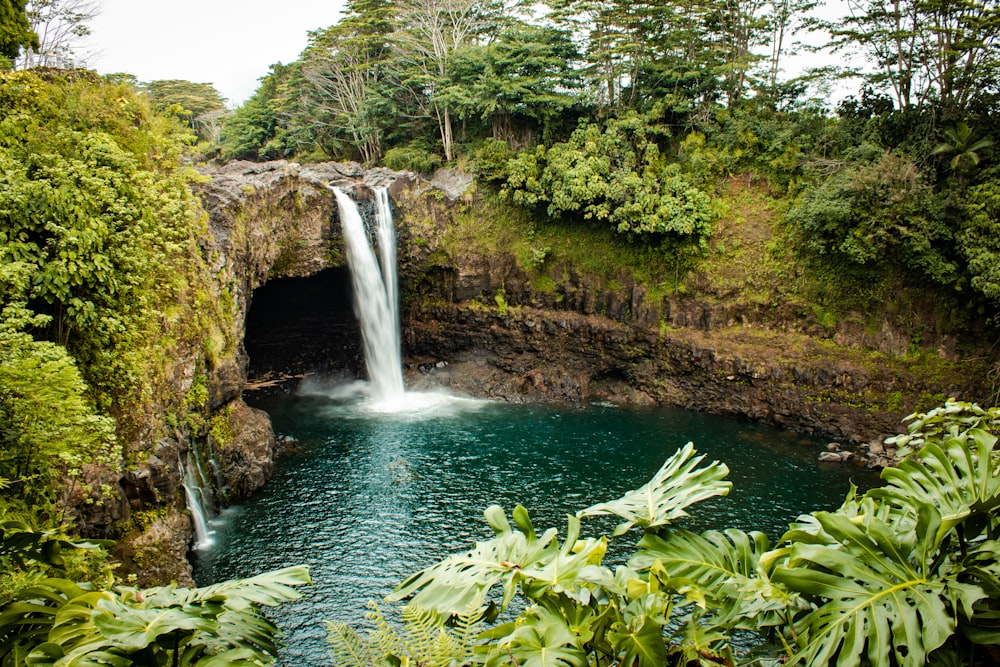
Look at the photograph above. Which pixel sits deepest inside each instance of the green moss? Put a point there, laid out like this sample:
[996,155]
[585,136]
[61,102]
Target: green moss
[221,428]
[544,284]
[501,302]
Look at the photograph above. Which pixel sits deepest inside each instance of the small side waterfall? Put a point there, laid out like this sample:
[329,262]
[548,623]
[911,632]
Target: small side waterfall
[375,298]
[194,494]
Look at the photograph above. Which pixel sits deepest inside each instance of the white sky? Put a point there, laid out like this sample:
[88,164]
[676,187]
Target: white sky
[228,43]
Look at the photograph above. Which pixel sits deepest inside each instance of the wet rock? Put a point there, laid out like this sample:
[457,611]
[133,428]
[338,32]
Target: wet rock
[248,458]
[158,554]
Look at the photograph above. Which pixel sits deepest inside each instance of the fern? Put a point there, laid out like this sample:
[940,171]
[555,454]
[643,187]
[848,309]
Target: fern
[347,647]
[427,639]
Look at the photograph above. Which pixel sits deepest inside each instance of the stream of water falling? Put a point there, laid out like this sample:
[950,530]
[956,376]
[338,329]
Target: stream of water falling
[374,303]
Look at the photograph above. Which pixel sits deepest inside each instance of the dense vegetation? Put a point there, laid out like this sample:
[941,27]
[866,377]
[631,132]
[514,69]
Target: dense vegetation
[621,117]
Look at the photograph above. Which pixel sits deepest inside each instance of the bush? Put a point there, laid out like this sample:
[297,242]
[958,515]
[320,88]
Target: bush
[615,174]
[878,210]
[412,157]
[491,161]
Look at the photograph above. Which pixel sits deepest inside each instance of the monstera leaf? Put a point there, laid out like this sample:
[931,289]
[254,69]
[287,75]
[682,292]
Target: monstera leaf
[662,500]
[639,641]
[568,572]
[877,593]
[721,570]
[462,581]
[961,478]
[540,638]
[58,622]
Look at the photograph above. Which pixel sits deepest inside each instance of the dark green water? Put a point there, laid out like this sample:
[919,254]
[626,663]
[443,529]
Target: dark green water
[370,498]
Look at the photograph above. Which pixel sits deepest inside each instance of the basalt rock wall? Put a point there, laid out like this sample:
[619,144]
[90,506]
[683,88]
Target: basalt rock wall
[476,322]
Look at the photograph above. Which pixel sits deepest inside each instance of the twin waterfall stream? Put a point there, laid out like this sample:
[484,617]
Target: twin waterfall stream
[376,301]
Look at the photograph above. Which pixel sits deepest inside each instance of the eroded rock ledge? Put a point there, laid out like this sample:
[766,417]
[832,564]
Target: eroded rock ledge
[785,379]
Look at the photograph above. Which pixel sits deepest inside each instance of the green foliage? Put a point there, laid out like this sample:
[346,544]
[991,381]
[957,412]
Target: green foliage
[425,639]
[414,157]
[185,98]
[491,161]
[15,30]
[979,239]
[576,610]
[59,622]
[96,213]
[616,175]
[876,211]
[270,124]
[963,146]
[28,556]
[48,428]
[905,575]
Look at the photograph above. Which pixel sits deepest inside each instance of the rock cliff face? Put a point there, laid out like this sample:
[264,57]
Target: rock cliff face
[475,322]
[264,221]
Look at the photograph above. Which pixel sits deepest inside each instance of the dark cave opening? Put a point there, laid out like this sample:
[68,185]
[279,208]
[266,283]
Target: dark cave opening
[298,326]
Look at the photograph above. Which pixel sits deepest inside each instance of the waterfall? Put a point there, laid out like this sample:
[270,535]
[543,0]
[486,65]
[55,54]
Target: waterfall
[196,505]
[385,234]
[375,300]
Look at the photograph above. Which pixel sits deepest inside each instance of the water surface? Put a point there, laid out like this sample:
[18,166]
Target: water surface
[372,496]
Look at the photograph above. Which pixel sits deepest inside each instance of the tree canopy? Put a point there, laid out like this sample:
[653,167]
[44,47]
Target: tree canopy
[15,29]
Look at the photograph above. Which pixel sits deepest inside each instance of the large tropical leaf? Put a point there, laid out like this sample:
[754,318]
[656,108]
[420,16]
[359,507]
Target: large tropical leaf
[961,478]
[539,639]
[640,643]
[723,568]
[662,500]
[462,581]
[952,420]
[877,594]
[58,622]
[565,572]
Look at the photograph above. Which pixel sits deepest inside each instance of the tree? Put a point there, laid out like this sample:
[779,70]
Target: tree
[616,37]
[521,81]
[784,18]
[59,24]
[938,51]
[344,67]
[881,209]
[741,29]
[272,123]
[188,99]
[429,34]
[15,29]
